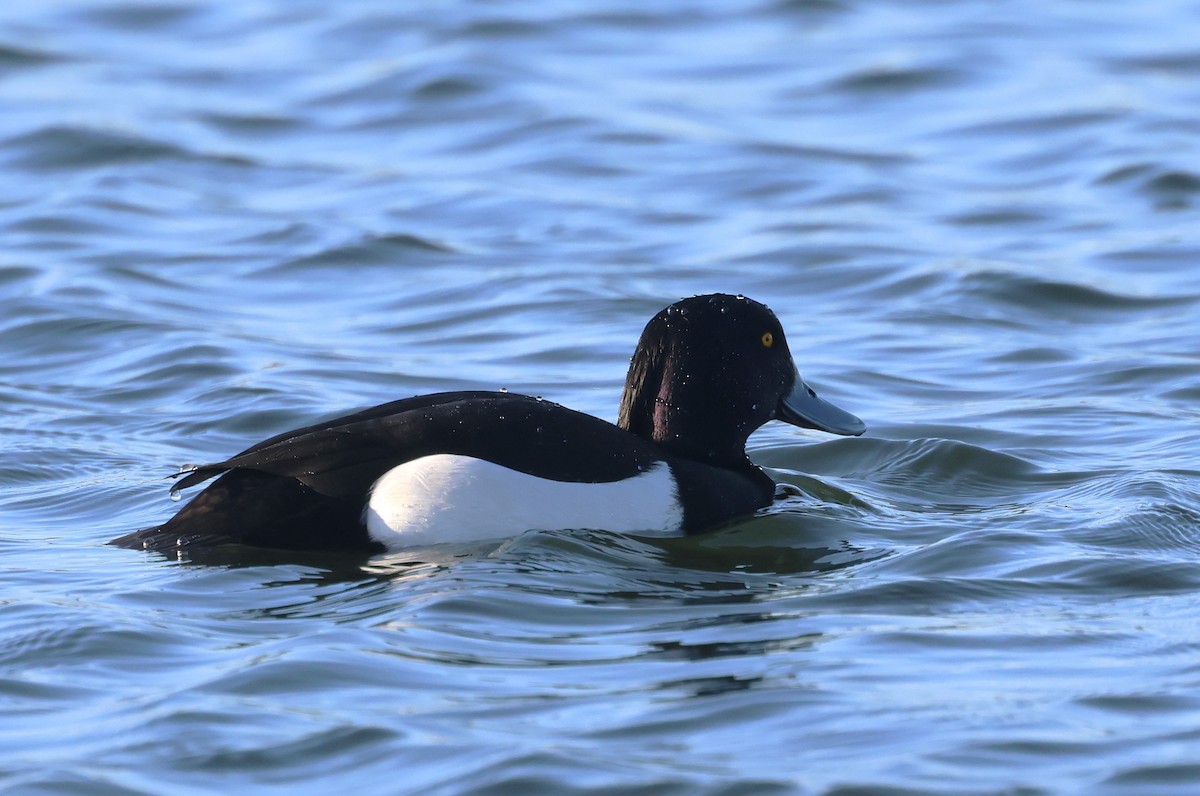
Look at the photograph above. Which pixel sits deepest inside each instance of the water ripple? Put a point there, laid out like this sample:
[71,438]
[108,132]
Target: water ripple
[57,148]
[226,220]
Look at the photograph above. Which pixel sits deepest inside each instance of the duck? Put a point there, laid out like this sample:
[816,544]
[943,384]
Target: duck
[465,466]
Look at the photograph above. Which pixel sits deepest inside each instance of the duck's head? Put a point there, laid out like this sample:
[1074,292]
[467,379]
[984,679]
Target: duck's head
[709,370]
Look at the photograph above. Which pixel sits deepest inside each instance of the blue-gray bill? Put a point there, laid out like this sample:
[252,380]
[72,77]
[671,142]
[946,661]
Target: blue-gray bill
[801,407]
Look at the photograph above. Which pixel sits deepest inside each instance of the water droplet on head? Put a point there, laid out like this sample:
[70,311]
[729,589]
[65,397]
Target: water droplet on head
[175,496]
[503,389]
[537,398]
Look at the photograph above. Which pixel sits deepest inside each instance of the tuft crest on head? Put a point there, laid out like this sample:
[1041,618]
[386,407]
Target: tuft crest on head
[713,363]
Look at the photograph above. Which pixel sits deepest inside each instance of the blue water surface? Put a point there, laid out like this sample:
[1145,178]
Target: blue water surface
[976,220]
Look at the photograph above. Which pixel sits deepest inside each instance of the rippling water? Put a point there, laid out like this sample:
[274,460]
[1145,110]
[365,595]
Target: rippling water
[976,220]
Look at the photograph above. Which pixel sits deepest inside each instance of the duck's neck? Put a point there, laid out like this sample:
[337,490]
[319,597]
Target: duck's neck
[674,411]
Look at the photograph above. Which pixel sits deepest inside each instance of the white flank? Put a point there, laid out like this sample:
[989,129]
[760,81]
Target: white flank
[448,498]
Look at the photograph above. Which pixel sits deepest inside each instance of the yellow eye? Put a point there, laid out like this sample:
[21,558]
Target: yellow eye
[768,339]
